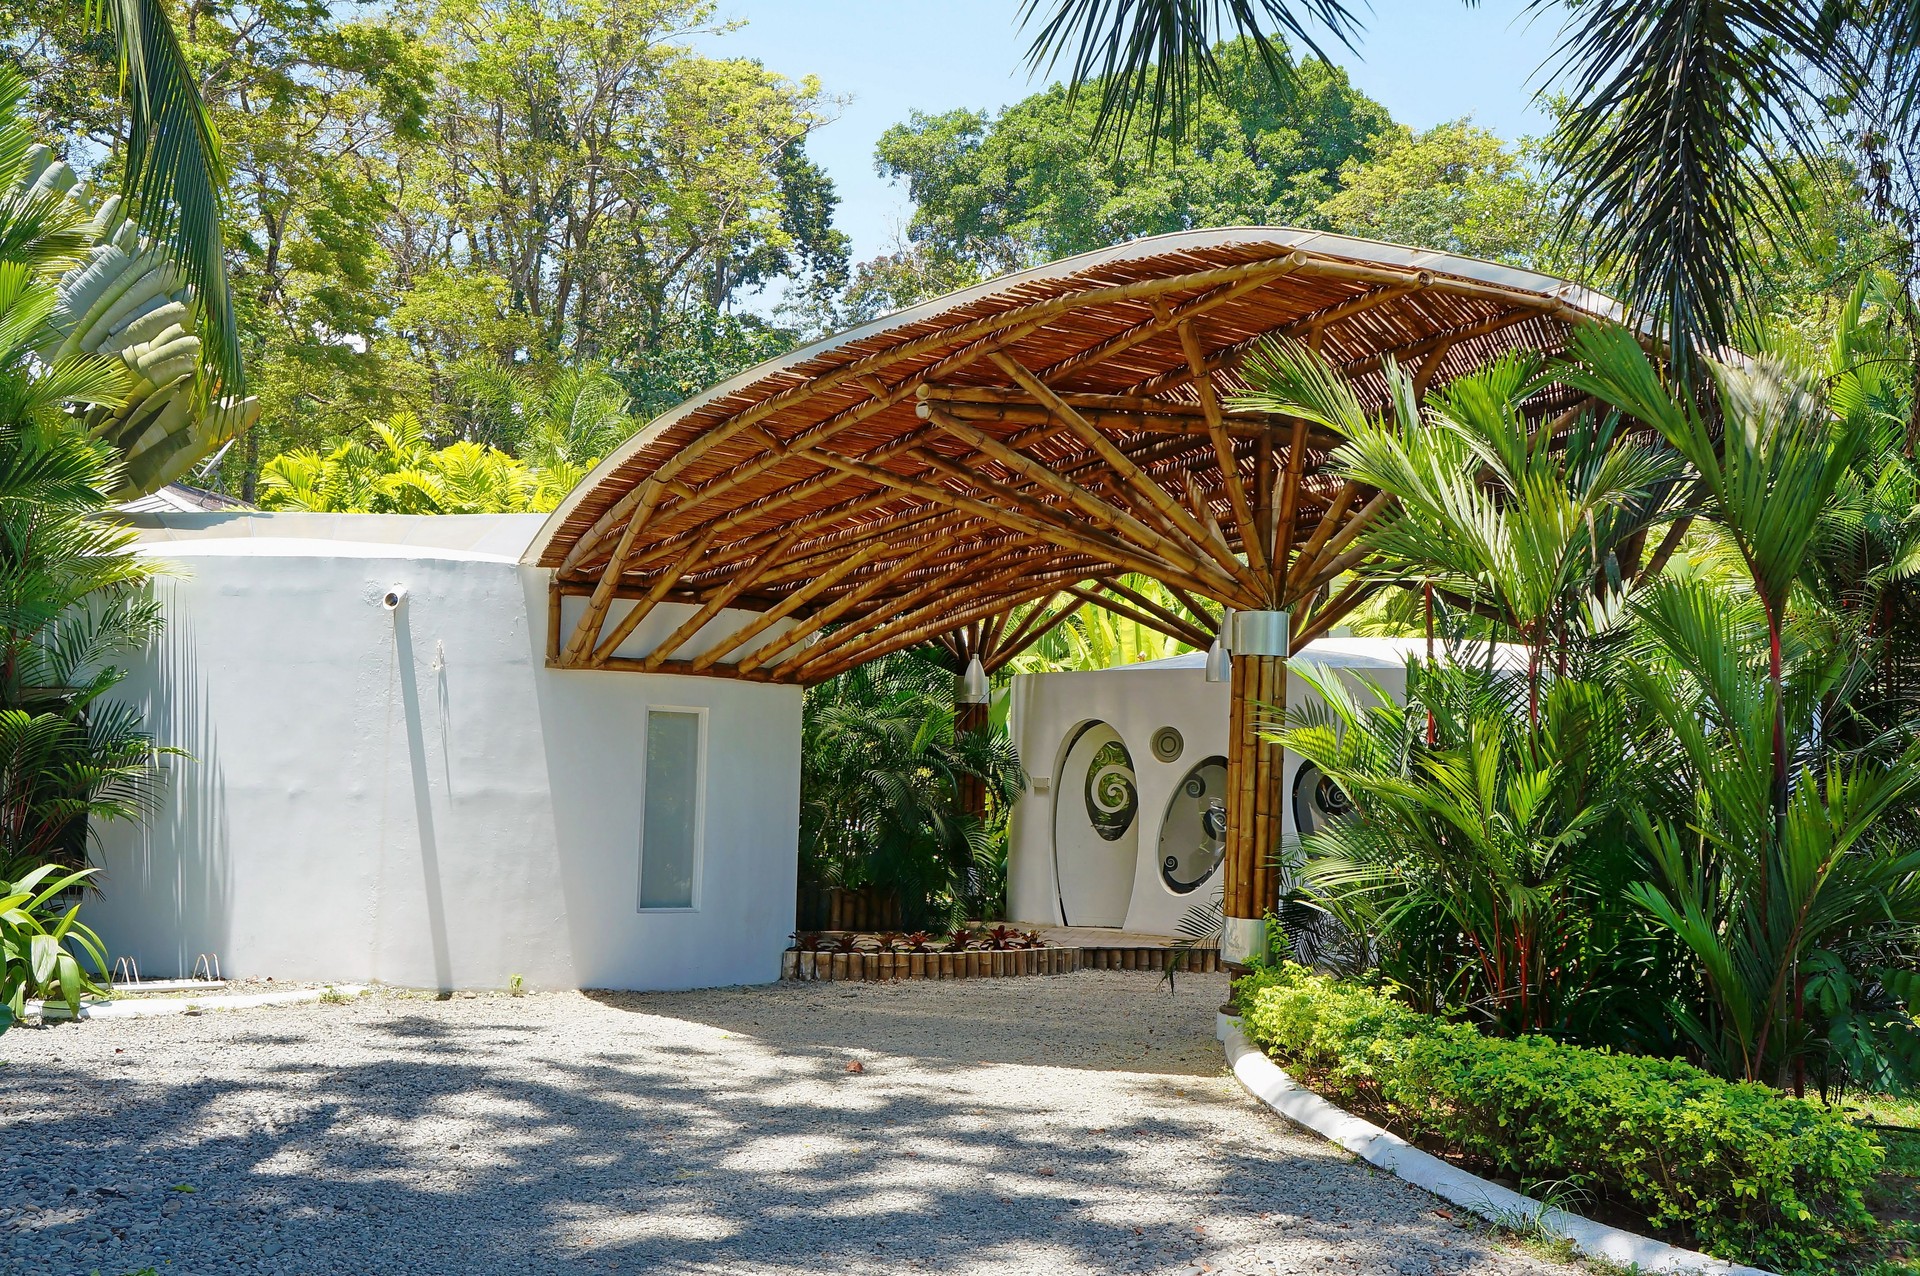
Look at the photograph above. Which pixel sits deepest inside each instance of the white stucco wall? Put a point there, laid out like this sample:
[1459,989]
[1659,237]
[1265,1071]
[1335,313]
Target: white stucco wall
[413,797]
[1137,700]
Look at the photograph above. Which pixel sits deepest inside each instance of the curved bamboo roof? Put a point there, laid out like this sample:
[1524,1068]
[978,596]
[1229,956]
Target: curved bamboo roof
[1038,435]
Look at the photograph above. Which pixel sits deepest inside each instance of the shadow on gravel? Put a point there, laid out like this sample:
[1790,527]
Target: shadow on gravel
[974,1021]
[439,1150]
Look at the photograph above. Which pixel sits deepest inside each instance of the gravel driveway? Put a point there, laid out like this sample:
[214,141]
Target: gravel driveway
[1077,1123]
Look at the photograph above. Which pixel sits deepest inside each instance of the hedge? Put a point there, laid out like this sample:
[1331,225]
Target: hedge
[1747,1173]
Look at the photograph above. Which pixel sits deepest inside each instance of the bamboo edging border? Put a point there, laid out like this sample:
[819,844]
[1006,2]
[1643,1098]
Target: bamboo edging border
[875,967]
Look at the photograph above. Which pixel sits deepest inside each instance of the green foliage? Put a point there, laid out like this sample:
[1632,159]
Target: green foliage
[1749,1174]
[881,772]
[118,295]
[1684,123]
[1796,928]
[1485,859]
[423,191]
[1454,188]
[1024,187]
[1514,522]
[44,953]
[1094,638]
[402,473]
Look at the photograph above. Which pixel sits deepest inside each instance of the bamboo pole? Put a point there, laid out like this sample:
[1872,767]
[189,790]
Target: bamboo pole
[1187,631]
[1300,582]
[1067,536]
[1149,329]
[1021,642]
[1285,534]
[700,619]
[1255,784]
[1325,527]
[941,614]
[588,629]
[639,611]
[1120,521]
[1143,619]
[1337,609]
[909,609]
[786,607]
[1223,453]
[980,336]
[1123,466]
[834,610]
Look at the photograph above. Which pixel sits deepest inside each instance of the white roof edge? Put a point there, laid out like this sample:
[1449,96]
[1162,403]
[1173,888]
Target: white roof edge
[501,537]
[1281,238]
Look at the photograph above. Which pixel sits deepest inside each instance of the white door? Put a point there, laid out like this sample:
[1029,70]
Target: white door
[1096,828]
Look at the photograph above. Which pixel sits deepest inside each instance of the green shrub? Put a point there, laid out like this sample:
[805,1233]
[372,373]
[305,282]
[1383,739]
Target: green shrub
[1748,1173]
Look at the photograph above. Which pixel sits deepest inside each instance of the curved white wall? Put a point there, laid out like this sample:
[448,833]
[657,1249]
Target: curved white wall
[414,797]
[1137,700]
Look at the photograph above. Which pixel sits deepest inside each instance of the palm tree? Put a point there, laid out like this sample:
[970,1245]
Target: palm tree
[1769,462]
[881,773]
[174,177]
[118,294]
[71,597]
[1672,143]
[1800,928]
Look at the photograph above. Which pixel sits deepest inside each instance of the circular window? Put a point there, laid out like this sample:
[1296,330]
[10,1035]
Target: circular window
[1168,744]
[1317,801]
[1193,837]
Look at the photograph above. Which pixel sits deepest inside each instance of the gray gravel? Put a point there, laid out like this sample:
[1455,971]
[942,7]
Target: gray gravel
[1079,1123]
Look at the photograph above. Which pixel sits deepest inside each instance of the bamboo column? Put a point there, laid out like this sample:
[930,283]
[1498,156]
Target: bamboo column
[970,719]
[1256,788]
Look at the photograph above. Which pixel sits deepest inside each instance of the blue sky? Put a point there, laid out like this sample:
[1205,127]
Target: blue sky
[1427,60]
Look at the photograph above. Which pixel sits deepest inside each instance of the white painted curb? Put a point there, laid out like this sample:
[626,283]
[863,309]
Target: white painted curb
[1273,1087]
[150,1007]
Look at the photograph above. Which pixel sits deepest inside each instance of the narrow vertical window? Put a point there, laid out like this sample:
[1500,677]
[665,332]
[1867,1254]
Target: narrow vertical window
[670,824]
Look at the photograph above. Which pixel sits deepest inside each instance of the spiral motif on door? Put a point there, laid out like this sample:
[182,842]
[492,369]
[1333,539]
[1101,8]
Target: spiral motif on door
[1112,800]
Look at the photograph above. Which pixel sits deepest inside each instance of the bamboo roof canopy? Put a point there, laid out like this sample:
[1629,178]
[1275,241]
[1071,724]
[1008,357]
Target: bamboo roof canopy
[1037,437]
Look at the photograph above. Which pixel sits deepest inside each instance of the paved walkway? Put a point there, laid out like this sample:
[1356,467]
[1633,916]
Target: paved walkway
[1078,1123]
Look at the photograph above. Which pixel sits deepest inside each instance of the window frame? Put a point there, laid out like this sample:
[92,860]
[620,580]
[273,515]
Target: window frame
[699,714]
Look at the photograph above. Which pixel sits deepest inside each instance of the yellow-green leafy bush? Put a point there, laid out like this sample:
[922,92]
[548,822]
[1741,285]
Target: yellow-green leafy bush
[1747,1172]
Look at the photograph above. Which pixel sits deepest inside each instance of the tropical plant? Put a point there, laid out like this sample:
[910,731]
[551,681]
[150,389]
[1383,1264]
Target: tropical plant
[71,597]
[1802,930]
[1485,854]
[44,953]
[401,472]
[172,176]
[117,295]
[1092,637]
[1768,461]
[880,776]
[1747,1173]
[1525,525]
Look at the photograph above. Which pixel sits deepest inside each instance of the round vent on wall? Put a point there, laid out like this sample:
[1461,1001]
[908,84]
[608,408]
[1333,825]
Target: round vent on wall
[1167,744]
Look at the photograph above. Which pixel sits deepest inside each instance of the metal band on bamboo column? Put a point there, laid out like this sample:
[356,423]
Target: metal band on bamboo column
[968,719]
[971,694]
[1255,776]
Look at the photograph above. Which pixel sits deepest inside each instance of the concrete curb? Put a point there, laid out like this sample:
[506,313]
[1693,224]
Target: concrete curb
[151,1007]
[1273,1087]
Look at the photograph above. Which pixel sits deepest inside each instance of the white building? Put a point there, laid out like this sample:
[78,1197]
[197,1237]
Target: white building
[410,794]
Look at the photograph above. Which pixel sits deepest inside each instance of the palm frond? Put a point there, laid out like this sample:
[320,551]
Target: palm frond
[1681,111]
[174,172]
[1161,52]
